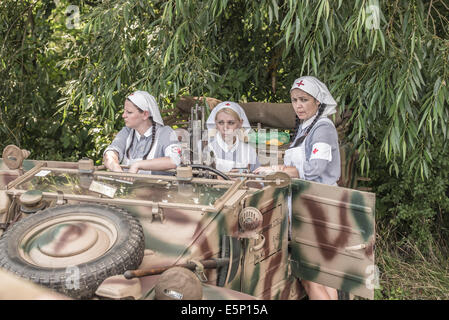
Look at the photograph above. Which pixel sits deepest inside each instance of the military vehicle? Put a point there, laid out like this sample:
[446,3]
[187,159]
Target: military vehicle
[88,233]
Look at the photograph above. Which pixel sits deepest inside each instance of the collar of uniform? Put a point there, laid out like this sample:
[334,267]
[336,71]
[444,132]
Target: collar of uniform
[307,123]
[224,145]
[146,134]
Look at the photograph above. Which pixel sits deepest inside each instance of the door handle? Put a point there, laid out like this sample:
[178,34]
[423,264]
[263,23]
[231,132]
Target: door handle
[356,247]
[259,246]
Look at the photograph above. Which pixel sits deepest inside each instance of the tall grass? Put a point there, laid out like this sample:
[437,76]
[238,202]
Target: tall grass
[406,273]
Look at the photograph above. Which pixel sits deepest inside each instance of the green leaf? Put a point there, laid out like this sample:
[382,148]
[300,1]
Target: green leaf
[167,54]
[320,11]
[297,28]
[276,9]
[287,34]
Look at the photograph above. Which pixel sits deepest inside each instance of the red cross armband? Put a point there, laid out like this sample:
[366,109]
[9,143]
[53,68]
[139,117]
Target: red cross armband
[322,151]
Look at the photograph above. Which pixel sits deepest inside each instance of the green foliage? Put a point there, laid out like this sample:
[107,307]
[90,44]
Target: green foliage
[406,273]
[34,40]
[378,58]
[417,210]
[62,88]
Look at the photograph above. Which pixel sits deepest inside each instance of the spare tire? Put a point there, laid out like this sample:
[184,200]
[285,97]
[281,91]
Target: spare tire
[73,248]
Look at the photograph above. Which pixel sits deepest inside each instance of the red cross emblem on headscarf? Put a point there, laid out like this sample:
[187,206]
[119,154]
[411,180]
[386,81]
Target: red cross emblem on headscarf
[315,151]
[300,83]
[227,104]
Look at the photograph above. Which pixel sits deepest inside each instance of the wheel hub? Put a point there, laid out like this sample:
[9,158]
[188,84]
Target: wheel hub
[68,241]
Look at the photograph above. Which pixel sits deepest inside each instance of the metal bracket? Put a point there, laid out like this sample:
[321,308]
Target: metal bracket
[60,198]
[156,211]
[356,247]
[199,270]
[258,246]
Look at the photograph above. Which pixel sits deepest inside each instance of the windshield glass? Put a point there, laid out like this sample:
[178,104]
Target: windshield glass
[140,188]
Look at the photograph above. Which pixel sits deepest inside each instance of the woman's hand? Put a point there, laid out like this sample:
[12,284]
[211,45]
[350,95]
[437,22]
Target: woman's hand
[134,168]
[111,162]
[268,170]
[116,168]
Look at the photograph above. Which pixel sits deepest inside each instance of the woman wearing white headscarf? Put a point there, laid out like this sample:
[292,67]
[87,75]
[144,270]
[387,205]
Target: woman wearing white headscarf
[145,144]
[226,147]
[314,154]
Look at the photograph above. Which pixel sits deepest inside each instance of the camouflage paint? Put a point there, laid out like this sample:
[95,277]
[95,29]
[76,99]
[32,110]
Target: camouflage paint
[361,217]
[254,279]
[267,266]
[332,232]
[46,237]
[303,270]
[333,218]
[352,282]
[156,244]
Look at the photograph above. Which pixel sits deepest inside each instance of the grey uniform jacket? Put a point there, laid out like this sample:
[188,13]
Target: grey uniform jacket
[316,169]
[167,145]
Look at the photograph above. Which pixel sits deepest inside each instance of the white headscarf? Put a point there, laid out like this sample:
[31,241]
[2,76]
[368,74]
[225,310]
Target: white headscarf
[147,102]
[210,123]
[318,90]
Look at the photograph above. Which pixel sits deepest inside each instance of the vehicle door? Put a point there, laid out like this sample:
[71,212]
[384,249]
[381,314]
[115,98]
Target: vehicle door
[265,258]
[333,236]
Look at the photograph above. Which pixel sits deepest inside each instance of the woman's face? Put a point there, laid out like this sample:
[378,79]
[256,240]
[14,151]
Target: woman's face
[304,104]
[227,124]
[133,116]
